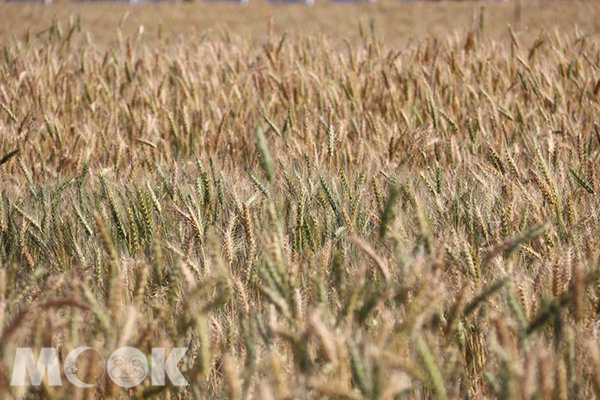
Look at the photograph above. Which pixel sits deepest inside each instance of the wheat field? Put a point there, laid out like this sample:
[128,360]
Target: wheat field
[312,217]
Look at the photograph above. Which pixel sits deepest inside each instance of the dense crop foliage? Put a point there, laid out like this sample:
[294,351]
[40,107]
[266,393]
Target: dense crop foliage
[311,219]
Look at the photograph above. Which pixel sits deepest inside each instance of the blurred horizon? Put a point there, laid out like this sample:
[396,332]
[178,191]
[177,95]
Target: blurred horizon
[395,22]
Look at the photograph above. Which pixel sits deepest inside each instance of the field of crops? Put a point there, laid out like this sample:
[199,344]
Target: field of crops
[311,217]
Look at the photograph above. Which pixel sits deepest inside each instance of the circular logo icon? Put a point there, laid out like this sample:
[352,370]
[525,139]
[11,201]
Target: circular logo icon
[127,367]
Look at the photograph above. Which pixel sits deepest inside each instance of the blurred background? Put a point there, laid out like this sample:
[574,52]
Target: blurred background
[396,21]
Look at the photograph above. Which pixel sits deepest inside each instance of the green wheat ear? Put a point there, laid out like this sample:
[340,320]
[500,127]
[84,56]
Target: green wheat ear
[387,214]
[264,155]
[113,278]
